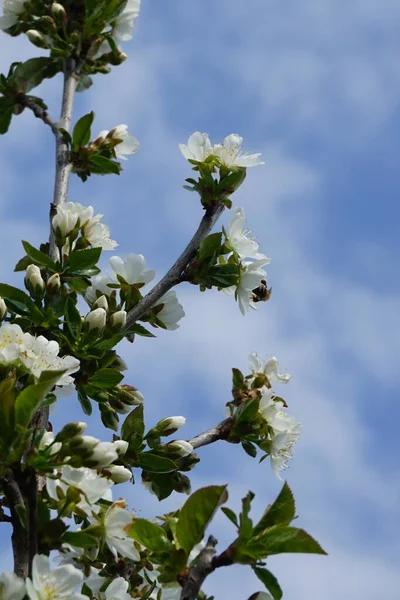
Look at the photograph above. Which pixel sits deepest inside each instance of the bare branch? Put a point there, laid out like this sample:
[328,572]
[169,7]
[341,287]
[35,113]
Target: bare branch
[218,432]
[38,111]
[199,571]
[63,164]
[173,276]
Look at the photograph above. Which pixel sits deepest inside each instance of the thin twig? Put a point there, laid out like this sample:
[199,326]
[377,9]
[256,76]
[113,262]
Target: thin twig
[63,164]
[39,112]
[218,432]
[20,536]
[173,276]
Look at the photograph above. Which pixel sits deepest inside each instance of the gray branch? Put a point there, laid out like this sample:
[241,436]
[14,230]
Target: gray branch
[173,276]
[199,572]
[20,536]
[63,164]
[218,432]
[39,112]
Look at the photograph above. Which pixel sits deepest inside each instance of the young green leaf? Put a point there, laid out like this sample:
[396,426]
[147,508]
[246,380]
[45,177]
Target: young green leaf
[231,515]
[83,259]
[73,318]
[282,538]
[106,378]
[37,257]
[133,426]
[196,514]
[270,582]
[31,397]
[246,524]
[156,464]
[150,535]
[281,512]
[81,132]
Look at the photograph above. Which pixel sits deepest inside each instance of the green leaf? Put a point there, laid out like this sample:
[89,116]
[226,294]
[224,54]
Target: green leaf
[270,582]
[224,275]
[210,246]
[237,378]
[73,318]
[23,264]
[31,73]
[31,397]
[11,293]
[140,330]
[246,524]
[103,166]
[6,113]
[106,378]
[132,429]
[282,538]
[78,285]
[84,402]
[247,411]
[196,514]
[81,132]
[150,535]
[83,259]
[250,449]
[109,343]
[80,539]
[231,515]
[281,512]
[37,257]
[7,395]
[155,463]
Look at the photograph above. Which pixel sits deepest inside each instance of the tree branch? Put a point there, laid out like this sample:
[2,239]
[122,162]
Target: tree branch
[173,276]
[20,536]
[199,571]
[63,164]
[38,111]
[218,432]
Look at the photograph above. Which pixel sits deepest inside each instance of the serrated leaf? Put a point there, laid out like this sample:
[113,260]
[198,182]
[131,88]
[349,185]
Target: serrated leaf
[73,318]
[282,539]
[37,257]
[31,397]
[109,343]
[281,512]
[150,535]
[246,412]
[224,275]
[31,73]
[140,330]
[100,165]
[106,378]
[210,246]
[81,132]
[80,539]
[156,464]
[78,285]
[196,514]
[132,429]
[270,582]
[80,260]
[231,515]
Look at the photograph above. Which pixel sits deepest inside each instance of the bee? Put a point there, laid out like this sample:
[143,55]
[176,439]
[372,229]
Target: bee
[261,293]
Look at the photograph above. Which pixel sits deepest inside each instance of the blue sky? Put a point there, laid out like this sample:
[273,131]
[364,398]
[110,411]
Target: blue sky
[314,86]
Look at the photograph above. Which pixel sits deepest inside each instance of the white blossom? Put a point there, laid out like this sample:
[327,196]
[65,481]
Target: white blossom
[98,234]
[118,590]
[118,320]
[198,147]
[99,283]
[12,10]
[58,584]
[117,522]
[281,448]
[171,312]
[11,342]
[39,354]
[69,214]
[251,276]
[230,153]
[86,480]
[127,144]
[238,238]
[48,440]
[11,587]
[121,446]
[269,368]
[104,454]
[133,269]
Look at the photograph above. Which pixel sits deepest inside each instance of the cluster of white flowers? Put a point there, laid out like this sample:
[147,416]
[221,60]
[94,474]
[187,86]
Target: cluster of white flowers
[252,274]
[133,271]
[35,354]
[229,154]
[72,215]
[127,144]
[284,430]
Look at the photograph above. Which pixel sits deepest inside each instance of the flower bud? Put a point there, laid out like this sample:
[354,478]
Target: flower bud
[167,426]
[49,440]
[34,282]
[53,284]
[101,303]
[36,38]
[83,442]
[119,474]
[119,365]
[103,454]
[118,320]
[121,446]
[178,448]
[58,12]
[95,321]
[3,309]
[71,430]
[64,223]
